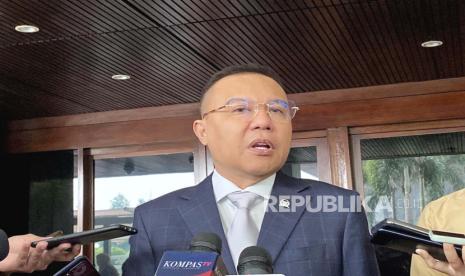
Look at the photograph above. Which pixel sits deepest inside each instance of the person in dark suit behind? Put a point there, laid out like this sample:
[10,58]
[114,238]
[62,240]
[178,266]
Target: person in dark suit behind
[246,125]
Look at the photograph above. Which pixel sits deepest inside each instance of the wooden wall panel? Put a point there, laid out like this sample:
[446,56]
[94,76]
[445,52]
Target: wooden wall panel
[102,135]
[192,110]
[381,91]
[431,126]
[417,108]
[86,197]
[339,152]
[117,116]
[388,104]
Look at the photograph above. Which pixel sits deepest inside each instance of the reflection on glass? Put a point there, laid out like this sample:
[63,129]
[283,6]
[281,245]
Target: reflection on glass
[302,163]
[50,176]
[403,174]
[121,184]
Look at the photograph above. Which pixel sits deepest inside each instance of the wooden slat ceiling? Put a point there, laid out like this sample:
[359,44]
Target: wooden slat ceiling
[413,146]
[170,48]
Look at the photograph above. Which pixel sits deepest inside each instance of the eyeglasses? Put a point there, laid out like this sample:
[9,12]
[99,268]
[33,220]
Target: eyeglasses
[277,109]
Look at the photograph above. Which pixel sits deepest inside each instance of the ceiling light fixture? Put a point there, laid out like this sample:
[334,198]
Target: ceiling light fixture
[120,77]
[27,29]
[431,43]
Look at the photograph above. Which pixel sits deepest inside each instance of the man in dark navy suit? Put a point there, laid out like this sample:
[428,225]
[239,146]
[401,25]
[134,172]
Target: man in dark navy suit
[246,125]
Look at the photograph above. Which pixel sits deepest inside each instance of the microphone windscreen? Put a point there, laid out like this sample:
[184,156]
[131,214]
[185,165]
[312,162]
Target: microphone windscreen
[208,242]
[4,245]
[254,260]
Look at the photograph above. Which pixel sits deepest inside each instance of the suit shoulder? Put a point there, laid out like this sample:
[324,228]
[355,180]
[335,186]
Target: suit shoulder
[167,201]
[323,188]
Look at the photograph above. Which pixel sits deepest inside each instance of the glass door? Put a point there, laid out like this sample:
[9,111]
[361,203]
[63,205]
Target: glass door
[121,184]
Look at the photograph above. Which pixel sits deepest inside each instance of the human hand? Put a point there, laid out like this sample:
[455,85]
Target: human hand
[454,265]
[23,258]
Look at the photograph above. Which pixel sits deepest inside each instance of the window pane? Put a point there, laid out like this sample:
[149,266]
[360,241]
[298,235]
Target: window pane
[50,191]
[40,186]
[121,184]
[403,174]
[302,163]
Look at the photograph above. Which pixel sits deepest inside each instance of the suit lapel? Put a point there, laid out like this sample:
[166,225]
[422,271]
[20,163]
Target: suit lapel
[200,213]
[277,226]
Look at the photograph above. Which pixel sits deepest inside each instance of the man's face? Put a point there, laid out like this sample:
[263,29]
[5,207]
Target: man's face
[244,148]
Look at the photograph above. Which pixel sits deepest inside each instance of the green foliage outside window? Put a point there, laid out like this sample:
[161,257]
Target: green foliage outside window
[394,179]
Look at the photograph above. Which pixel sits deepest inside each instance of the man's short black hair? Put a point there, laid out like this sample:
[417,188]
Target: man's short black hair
[237,69]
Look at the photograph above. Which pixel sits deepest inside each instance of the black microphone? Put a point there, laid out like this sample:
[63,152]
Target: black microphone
[4,245]
[203,258]
[206,242]
[254,260]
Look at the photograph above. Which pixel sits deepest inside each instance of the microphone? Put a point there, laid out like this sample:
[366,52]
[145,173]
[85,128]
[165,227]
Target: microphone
[206,242]
[202,259]
[255,260]
[4,245]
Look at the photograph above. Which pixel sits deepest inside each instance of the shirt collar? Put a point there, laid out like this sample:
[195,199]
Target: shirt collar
[223,187]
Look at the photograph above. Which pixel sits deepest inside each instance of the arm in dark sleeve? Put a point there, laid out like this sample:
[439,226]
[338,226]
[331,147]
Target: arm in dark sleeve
[358,253]
[141,260]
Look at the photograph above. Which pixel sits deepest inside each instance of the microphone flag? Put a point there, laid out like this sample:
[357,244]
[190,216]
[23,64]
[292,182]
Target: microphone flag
[189,263]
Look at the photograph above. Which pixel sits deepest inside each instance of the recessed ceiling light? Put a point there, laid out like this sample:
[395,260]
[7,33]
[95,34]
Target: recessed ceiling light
[431,43]
[120,77]
[27,29]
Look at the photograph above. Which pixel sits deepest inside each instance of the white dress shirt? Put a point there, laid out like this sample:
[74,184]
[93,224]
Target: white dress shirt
[223,187]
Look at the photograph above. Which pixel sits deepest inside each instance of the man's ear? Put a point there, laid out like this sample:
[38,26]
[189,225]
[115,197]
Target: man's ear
[200,131]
